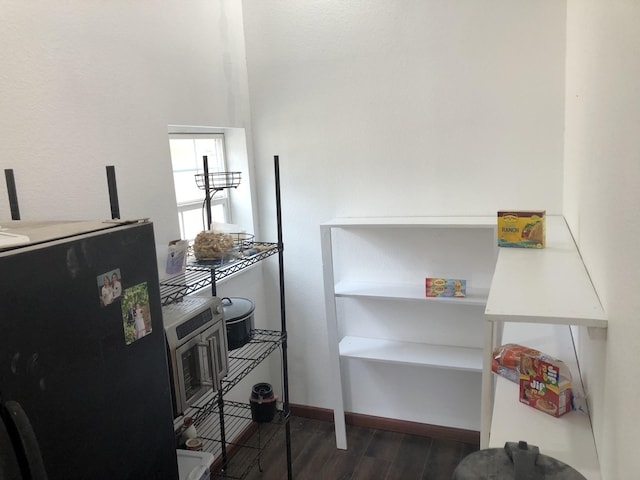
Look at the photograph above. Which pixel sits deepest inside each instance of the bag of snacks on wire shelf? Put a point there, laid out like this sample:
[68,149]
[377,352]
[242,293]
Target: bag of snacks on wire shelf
[215,243]
[211,245]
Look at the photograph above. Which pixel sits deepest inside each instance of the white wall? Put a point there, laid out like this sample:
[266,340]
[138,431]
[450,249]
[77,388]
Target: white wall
[87,84]
[390,107]
[602,172]
[375,107]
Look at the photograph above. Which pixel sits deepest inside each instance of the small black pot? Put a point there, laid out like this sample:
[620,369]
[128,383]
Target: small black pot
[238,315]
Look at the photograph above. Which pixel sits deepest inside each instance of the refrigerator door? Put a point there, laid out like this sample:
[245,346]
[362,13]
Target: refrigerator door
[82,350]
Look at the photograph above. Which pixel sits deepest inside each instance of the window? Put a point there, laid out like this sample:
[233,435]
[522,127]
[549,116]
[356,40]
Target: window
[187,151]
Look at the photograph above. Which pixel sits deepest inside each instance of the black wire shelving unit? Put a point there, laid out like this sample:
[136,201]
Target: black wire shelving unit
[245,439]
[201,274]
[226,428]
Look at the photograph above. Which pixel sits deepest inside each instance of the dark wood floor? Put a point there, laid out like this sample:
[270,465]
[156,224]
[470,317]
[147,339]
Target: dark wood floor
[372,454]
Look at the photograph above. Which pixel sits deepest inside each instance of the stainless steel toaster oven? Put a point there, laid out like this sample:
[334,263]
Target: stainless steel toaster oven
[197,348]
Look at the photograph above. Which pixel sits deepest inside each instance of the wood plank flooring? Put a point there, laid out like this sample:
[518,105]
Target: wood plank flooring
[373,454]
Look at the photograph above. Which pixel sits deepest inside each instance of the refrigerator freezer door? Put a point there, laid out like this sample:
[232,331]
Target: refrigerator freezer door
[94,384]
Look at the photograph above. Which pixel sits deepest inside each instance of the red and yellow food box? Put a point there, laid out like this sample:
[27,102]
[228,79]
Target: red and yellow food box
[521,229]
[545,384]
[445,287]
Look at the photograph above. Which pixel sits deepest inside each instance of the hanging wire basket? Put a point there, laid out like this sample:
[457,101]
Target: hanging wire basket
[218,180]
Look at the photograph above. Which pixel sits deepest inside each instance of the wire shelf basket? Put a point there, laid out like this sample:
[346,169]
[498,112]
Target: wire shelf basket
[218,180]
[242,240]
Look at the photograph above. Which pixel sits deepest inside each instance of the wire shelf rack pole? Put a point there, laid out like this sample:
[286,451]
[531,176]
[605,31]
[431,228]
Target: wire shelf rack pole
[207,190]
[283,318]
[113,192]
[223,436]
[13,195]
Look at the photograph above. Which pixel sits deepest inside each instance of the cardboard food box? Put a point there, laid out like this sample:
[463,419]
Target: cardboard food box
[521,229]
[545,384]
[176,257]
[445,287]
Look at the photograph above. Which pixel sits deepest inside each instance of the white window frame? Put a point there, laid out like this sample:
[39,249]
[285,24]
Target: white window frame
[220,198]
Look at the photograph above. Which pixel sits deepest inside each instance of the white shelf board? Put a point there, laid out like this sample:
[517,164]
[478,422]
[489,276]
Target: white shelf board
[411,353]
[442,222]
[406,291]
[549,285]
[568,438]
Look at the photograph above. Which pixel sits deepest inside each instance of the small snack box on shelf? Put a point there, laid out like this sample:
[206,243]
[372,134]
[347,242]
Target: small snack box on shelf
[445,287]
[521,229]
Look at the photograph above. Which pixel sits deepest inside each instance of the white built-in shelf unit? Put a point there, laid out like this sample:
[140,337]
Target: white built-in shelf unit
[534,299]
[381,288]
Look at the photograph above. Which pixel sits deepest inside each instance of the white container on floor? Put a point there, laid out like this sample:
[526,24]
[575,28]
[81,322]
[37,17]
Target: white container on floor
[193,465]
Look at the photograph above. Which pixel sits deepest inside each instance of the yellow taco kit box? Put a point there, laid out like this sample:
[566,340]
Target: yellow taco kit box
[521,229]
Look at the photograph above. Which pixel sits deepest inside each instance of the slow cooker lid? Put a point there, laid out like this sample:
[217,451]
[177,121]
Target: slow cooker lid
[236,308]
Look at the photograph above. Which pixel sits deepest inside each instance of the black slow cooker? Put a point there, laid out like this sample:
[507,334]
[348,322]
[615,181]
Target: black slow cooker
[238,315]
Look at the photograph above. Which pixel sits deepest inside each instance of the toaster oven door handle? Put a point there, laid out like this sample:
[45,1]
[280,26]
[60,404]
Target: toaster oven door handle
[208,362]
[215,368]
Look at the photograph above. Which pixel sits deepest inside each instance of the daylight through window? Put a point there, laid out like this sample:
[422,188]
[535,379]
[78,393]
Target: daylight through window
[187,151]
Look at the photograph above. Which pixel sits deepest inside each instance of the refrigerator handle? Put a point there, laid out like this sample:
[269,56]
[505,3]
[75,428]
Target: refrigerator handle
[9,467]
[24,440]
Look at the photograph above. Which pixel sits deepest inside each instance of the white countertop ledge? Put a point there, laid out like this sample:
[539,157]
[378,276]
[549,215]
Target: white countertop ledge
[549,285]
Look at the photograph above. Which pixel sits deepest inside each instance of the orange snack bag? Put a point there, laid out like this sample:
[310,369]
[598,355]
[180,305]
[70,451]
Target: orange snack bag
[509,357]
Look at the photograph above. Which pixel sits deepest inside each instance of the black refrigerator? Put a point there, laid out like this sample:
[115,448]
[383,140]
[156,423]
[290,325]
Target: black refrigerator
[84,383]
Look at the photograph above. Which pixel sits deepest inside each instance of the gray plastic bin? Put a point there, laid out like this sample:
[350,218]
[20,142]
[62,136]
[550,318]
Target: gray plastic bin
[516,461]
